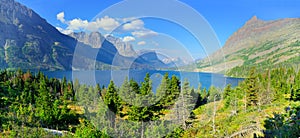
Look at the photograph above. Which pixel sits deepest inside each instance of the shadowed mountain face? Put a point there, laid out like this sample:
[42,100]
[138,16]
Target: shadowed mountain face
[258,43]
[27,41]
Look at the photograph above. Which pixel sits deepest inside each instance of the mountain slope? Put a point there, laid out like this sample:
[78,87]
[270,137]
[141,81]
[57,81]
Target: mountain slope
[123,53]
[124,48]
[95,39]
[27,41]
[257,43]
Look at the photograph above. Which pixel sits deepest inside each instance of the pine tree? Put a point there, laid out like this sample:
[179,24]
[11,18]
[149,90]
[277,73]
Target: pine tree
[163,90]
[27,95]
[111,98]
[198,94]
[227,95]
[98,89]
[141,111]
[125,94]
[69,91]
[295,91]
[172,91]
[76,87]
[175,89]
[252,89]
[44,103]
[213,94]
[204,94]
[146,87]
[134,87]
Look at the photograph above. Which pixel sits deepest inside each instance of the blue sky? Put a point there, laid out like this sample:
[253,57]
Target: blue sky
[168,38]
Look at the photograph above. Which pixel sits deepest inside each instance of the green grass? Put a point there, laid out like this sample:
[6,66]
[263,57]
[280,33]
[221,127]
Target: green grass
[295,44]
[226,123]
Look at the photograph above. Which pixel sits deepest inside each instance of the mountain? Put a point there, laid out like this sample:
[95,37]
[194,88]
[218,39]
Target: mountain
[175,62]
[124,54]
[124,48]
[27,41]
[258,43]
[95,40]
[152,58]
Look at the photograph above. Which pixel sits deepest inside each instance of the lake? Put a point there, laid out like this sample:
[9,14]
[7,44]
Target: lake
[103,77]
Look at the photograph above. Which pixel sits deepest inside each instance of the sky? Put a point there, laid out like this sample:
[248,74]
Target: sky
[203,26]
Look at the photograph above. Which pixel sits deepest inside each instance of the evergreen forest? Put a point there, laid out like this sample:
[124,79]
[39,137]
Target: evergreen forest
[265,104]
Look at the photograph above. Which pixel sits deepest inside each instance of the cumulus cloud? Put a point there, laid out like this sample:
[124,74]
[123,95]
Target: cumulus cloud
[134,25]
[77,24]
[61,17]
[107,24]
[141,43]
[144,33]
[64,31]
[59,29]
[128,19]
[128,39]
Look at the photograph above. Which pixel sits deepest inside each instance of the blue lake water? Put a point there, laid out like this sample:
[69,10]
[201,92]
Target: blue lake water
[103,77]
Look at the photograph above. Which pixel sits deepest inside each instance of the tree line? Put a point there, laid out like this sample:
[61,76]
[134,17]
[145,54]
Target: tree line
[265,104]
[30,103]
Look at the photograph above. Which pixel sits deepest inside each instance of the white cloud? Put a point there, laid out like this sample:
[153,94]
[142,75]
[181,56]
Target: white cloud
[141,43]
[107,23]
[92,26]
[61,17]
[128,39]
[66,32]
[128,19]
[77,24]
[59,29]
[144,33]
[134,25]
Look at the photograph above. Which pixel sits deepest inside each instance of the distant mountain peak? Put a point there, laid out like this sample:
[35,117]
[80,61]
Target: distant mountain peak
[28,41]
[258,42]
[254,20]
[94,39]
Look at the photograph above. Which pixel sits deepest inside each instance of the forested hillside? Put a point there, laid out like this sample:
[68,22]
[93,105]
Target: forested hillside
[265,104]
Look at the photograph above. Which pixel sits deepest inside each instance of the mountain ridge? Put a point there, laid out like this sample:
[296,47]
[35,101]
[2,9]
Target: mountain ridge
[28,41]
[95,39]
[258,42]
[32,39]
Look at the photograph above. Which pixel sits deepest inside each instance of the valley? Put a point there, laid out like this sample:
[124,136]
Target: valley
[87,83]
